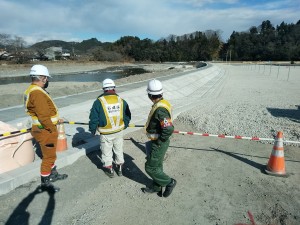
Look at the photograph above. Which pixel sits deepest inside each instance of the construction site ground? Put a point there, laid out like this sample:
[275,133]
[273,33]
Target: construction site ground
[219,180]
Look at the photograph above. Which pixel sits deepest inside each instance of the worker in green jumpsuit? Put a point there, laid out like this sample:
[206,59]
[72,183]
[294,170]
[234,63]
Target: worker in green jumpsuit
[159,128]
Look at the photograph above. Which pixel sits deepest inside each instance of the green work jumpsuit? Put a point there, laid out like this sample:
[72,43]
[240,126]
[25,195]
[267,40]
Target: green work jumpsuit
[160,123]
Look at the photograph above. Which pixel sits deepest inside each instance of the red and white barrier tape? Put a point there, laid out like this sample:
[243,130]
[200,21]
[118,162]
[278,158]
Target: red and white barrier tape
[233,137]
[176,132]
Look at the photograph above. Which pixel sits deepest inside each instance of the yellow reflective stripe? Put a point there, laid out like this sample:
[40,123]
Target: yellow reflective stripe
[121,112]
[35,121]
[110,130]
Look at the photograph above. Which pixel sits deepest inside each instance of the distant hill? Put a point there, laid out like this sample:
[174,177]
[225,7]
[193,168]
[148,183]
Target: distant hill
[52,43]
[79,47]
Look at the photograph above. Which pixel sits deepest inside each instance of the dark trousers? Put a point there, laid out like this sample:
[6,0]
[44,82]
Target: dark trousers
[154,163]
[48,143]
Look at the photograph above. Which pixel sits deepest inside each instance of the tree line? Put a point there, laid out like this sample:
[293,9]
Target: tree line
[265,43]
[262,43]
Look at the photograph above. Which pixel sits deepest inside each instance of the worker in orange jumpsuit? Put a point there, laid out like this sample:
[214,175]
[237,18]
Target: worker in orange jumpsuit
[44,114]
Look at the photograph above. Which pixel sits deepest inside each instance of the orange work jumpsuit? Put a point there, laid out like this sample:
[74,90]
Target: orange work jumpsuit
[43,111]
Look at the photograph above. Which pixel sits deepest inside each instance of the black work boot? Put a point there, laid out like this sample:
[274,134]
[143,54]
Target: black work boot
[46,185]
[54,176]
[109,171]
[119,170]
[169,188]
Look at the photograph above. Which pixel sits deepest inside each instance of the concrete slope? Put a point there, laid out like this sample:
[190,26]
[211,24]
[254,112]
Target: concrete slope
[183,92]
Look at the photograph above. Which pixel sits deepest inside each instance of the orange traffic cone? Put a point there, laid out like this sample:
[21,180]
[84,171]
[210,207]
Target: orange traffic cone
[276,164]
[61,140]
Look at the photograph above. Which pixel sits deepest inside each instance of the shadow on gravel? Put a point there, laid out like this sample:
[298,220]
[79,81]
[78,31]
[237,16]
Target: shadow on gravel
[212,149]
[234,155]
[95,157]
[132,172]
[256,165]
[21,215]
[80,137]
[291,114]
[130,169]
[135,173]
[237,155]
[138,145]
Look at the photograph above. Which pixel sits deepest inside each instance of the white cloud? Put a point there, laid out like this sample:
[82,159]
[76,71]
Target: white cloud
[109,20]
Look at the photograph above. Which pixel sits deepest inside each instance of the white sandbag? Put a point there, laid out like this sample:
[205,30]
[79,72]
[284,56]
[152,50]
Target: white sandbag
[15,150]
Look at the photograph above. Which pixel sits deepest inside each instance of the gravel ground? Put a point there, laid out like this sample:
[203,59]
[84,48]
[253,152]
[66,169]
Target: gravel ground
[251,104]
[220,181]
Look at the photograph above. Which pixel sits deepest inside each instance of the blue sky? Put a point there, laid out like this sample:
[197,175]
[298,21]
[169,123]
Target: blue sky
[108,20]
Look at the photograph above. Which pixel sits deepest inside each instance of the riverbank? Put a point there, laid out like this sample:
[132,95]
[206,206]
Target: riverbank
[55,67]
[66,67]
[12,94]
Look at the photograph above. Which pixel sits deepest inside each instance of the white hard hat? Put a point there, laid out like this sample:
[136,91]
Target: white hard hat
[108,84]
[39,70]
[154,87]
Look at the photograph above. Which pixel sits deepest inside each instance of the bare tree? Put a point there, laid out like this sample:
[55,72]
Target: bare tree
[4,39]
[18,43]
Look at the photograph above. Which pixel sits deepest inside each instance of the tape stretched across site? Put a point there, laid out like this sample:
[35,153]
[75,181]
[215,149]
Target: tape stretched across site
[6,134]
[81,123]
[25,130]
